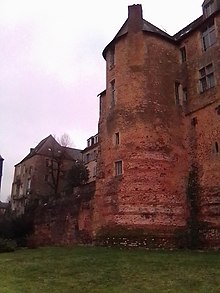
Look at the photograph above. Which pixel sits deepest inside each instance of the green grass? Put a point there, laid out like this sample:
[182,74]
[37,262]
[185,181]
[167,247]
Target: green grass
[105,270]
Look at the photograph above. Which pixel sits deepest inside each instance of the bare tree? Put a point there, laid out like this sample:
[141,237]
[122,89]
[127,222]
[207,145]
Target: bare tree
[60,162]
[64,140]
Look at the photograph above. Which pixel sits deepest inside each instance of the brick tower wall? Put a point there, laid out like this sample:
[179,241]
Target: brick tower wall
[151,193]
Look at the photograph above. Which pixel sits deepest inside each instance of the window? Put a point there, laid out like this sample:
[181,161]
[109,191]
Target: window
[28,185]
[218,110]
[95,155]
[118,168]
[208,36]
[94,171]
[177,97]
[30,170]
[23,169]
[183,54]
[207,80]
[89,142]
[117,139]
[185,95]
[216,148]
[209,8]
[18,170]
[194,121]
[112,58]
[96,139]
[112,88]
[87,157]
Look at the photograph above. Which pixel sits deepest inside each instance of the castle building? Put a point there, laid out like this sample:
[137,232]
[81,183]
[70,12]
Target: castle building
[42,173]
[158,166]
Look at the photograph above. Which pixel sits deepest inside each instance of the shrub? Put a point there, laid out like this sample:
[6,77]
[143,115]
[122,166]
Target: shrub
[7,245]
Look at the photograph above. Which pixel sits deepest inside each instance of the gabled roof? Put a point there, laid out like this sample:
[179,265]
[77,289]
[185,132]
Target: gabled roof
[48,145]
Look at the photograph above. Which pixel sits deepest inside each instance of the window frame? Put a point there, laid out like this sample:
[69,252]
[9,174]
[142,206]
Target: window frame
[183,54]
[185,95]
[207,78]
[118,168]
[177,92]
[117,138]
[112,58]
[207,36]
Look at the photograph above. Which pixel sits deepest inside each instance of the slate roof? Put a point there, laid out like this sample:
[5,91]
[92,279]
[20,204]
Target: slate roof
[146,27]
[43,149]
[150,28]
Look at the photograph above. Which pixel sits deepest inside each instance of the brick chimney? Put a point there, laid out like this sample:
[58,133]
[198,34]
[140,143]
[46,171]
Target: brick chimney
[135,18]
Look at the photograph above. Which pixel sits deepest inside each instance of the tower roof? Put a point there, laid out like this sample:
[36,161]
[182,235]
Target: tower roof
[136,21]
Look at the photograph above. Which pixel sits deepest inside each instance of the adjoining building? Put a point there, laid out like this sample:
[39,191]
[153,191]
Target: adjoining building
[90,156]
[42,172]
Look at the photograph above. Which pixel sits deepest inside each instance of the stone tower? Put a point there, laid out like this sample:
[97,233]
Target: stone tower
[142,177]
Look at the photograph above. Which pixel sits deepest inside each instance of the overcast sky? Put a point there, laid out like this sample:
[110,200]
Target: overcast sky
[51,66]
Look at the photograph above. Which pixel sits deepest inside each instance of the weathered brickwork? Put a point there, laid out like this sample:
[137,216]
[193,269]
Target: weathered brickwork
[65,221]
[162,135]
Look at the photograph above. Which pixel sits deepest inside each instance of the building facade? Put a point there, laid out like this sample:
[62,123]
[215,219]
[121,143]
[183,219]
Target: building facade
[89,155]
[158,166]
[42,173]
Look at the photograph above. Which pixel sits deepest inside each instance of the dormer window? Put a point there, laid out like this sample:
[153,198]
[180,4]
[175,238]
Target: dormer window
[209,8]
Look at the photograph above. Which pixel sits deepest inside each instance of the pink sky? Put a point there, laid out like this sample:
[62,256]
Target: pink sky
[52,67]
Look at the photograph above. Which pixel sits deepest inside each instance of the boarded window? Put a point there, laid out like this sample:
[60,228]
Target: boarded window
[209,36]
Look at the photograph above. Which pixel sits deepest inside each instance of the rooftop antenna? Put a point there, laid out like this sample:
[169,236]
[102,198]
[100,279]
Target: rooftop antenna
[163,29]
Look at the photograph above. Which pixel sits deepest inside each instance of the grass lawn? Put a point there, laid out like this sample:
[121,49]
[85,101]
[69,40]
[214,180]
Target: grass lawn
[104,270]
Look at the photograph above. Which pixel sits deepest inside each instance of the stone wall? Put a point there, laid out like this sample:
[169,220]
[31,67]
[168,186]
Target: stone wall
[65,221]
